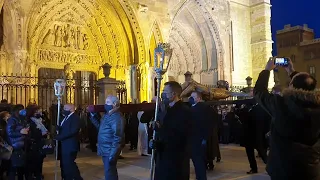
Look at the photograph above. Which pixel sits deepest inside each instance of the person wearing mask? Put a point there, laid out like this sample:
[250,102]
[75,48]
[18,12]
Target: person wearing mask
[35,142]
[142,135]
[110,136]
[4,116]
[202,120]
[68,136]
[295,126]
[173,143]
[17,131]
[5,164]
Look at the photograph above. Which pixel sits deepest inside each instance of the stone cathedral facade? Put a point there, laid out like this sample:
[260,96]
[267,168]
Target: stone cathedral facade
[213,39]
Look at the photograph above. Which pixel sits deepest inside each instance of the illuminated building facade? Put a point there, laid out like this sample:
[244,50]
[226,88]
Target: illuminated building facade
[213,39]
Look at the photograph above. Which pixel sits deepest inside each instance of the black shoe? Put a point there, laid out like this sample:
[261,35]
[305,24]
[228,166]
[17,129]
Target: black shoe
[218,160]
[252,172]
[144,155]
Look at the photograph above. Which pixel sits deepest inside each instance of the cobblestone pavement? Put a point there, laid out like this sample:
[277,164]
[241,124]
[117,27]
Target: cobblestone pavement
[233,166]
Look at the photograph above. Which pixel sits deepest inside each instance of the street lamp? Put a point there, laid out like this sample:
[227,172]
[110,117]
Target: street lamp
[162,57]
[59,88]
[121,90]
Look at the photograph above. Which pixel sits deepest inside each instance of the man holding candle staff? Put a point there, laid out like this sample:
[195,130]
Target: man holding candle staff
[172,146]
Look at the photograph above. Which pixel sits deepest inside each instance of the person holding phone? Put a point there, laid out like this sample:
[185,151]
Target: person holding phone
[295,126]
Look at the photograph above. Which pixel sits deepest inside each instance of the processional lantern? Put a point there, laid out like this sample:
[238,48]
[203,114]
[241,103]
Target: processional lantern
[162,57]
[59,89]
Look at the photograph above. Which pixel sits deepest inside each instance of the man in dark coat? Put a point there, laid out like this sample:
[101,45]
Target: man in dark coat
[294,143]
[68,137]
[255,129]
[173,133]
[110,136]
[201,123]
[213,147]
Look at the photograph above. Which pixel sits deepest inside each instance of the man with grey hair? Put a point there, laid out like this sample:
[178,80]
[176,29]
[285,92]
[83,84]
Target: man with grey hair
[110,136]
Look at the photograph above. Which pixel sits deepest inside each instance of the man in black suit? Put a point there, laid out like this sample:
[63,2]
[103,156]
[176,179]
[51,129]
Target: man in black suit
[201,116]
[173,136]
[68,137]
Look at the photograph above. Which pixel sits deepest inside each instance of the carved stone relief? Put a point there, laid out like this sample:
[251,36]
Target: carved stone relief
[66,36]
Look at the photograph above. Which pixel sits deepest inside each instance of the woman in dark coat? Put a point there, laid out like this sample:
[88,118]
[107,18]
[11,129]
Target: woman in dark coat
[35,142]
[17,131]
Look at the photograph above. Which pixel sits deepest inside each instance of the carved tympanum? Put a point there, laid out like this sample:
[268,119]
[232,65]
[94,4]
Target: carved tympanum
[67,36]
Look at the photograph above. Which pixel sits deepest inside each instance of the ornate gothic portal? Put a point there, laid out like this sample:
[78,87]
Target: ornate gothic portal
[213,39]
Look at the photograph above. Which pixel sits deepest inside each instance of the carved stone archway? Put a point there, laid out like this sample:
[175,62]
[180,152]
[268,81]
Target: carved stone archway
[196,24]
[84,33]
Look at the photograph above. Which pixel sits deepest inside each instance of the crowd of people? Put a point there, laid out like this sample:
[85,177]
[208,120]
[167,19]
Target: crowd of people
[25,131]
[283,123]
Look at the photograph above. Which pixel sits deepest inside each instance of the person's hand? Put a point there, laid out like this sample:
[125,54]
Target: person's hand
[270,64]
[24,131]
[204,142]
[289,68]
[156,125]
[152,144]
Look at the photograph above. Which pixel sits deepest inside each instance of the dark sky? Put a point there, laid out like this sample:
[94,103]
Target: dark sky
[295,12]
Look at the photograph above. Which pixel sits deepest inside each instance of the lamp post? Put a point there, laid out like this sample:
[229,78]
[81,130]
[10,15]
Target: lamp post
[59,88]
[162,57]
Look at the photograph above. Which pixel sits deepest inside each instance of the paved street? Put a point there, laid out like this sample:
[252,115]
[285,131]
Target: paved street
[234,166]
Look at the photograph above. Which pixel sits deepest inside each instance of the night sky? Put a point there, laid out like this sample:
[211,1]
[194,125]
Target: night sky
[295,12]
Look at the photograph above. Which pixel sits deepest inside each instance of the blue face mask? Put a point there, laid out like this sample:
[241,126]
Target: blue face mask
[23,112]
[108,107]
[191,101]
[164,99]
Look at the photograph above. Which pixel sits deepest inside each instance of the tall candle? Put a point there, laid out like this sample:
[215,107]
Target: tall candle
[161,63]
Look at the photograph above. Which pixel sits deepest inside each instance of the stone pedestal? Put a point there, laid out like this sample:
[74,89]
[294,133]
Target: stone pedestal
[107,86]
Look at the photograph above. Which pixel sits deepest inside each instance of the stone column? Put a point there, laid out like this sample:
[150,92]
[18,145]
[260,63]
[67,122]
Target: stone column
[33,73]
[70,83]
[134,84]
[261,40]
[107,86]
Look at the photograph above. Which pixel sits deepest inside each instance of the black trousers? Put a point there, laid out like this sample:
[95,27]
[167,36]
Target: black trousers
[69,168]
[199,161]
[5,168]
[252,158]
[34,166]
[20,171]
